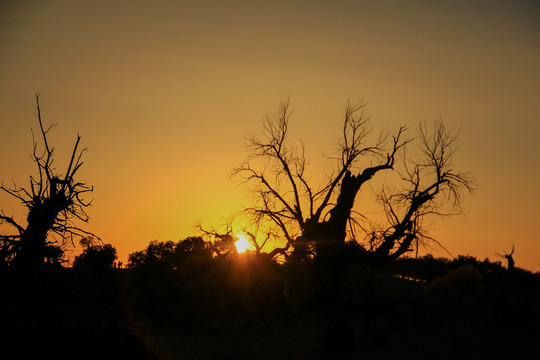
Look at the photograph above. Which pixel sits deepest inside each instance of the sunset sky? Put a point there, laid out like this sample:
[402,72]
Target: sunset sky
[163,93]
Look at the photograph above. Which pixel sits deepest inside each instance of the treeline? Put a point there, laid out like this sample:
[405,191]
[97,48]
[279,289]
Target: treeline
[192,280]
[427,268]
[201,282]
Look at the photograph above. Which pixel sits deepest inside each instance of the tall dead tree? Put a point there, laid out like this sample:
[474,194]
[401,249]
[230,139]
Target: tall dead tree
[54,201]
[318,222]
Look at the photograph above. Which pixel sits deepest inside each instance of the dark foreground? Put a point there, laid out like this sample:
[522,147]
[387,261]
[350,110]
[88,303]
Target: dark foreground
[377,316]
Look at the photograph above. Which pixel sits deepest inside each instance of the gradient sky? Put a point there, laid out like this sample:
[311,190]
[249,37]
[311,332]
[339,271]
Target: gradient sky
[163,93]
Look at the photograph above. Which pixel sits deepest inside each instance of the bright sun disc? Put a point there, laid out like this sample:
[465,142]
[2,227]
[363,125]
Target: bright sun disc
[242,244]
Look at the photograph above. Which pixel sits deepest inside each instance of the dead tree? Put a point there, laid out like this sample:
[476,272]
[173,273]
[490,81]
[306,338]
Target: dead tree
[430,187]
[53,200]
[318,222]
[223,243]
[510,264]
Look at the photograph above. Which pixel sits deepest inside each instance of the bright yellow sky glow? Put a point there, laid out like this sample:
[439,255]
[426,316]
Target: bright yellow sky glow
[164,92]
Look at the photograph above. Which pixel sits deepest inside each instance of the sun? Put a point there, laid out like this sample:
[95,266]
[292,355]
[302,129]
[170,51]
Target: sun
[242,244]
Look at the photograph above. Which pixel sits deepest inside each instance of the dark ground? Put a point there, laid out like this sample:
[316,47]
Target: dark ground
[391,318]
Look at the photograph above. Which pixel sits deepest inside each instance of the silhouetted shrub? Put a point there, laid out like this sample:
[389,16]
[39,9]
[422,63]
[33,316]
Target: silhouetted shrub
[370,286]
[157,253]
[424,268]
[462,285]
[96,258]
[168,254]
[93,271]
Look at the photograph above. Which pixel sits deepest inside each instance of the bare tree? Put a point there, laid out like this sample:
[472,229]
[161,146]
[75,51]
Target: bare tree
[223,242]
[53,200]
[318,221]
[510,264]
[431,188]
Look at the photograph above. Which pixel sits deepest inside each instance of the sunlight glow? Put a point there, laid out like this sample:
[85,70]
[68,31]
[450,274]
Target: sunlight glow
[242,244]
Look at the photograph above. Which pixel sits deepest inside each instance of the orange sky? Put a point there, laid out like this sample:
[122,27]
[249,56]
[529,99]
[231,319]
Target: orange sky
[163,93]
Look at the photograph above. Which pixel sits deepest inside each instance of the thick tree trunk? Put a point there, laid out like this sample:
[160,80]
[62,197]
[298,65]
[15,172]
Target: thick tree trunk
[29,261]
[330,235]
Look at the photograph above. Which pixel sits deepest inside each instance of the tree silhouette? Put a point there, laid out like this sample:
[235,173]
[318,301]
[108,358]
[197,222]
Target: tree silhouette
[223,242]
[53,200]
[318,221]
[95,257]
[510,264]
[170,255]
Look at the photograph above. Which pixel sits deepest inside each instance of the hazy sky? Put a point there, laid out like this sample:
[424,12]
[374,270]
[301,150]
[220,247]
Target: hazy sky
[163,93]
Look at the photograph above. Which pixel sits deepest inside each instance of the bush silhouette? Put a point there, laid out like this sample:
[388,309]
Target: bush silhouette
[462,285]
[96,258]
